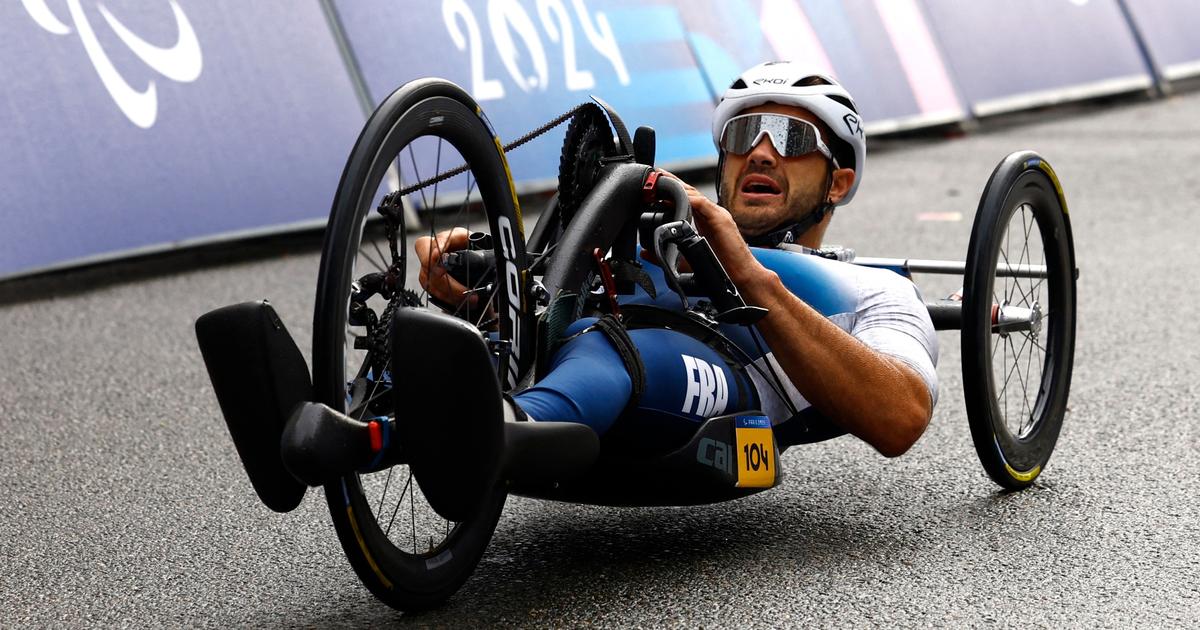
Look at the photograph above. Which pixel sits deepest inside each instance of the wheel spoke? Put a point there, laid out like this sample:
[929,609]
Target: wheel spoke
[466,199]
[377,264]
[1007,278]
[1026,298]
[1040,363]
[1029,375]
[433,231]
[382,257]
[1024,258]
[1024,399]
[1015,369]
[1023,382]
[462,208]
[1016,281]
[1037,287]
[361,407]
[412,504]
[1035,290]
[1034,342]
[1008,379]
[1008,371]
[407,485]
[484,311]
[457,217]
[1007,376]
[413,158]
[366,402]
[437,168]
[386,484]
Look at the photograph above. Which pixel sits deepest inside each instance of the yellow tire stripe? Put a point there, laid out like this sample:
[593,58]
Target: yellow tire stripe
[1062,198]
[1022,476]
[511,188]
[366,554]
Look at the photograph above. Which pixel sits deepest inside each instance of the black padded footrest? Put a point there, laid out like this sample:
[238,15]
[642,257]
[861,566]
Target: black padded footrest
[259,377]
[449,418]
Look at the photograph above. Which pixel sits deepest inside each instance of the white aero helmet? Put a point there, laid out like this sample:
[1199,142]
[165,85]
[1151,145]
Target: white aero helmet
[784,82]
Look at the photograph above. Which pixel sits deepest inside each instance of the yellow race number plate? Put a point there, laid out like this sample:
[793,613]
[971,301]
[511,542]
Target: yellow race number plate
[755,452]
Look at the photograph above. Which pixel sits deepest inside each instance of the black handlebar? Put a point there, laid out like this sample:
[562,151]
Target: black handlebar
[474,266]
[677,212]
[674,234]
[663,225]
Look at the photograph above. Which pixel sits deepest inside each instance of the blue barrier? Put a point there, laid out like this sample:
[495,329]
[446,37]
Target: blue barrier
[134,129]
[1169,28]
[526,62]
[1013,54]
[883,52]
[140,126]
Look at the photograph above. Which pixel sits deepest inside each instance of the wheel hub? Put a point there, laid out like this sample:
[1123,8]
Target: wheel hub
[1007,319]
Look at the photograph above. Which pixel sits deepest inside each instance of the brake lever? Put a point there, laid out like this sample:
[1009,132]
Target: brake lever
[665,237]
[708,273]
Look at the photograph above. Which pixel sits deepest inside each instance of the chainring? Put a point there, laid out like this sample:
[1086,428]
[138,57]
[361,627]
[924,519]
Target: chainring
[589,139]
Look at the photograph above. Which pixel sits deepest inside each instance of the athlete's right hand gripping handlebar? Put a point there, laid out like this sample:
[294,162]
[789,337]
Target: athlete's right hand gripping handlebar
[678,236]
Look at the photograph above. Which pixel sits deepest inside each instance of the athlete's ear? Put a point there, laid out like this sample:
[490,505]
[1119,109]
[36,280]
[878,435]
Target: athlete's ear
[843,180]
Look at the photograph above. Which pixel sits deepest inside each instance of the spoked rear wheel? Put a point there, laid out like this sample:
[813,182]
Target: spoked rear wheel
[402,550]
[1018,338]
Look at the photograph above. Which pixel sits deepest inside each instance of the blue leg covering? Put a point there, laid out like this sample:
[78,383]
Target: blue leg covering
[686,383]
[587,383]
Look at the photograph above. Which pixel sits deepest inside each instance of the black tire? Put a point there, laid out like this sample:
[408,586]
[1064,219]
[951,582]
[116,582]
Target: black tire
[421,114]
[1023,193]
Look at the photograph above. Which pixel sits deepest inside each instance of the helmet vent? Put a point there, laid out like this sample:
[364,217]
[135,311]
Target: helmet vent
[738,85]
[845,101]
[810,81]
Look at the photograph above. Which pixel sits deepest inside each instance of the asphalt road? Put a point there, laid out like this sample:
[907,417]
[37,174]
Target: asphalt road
[125,505]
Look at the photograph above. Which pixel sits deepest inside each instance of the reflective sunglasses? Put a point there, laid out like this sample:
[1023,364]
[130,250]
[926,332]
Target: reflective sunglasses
[791,136]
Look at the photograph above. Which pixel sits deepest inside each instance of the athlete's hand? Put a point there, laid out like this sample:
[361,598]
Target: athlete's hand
[434,277]
[717,225]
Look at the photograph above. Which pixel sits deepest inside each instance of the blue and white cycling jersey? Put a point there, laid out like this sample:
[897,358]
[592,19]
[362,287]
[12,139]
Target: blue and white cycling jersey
[688,382]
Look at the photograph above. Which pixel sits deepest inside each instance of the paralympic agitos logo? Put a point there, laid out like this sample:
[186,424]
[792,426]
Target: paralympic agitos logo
[181,62]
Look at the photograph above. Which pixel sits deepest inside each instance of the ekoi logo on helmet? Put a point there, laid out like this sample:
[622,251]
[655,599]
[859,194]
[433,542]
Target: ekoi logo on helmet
[181,62]
[853,124]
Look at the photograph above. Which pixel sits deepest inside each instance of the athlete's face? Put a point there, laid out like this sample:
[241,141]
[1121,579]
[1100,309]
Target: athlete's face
[763,190]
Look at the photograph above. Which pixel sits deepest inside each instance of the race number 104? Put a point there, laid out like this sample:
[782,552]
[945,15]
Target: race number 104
[756,451]
[508,17]
[755,457]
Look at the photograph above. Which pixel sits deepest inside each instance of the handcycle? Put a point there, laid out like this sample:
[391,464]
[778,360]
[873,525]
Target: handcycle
[414,525]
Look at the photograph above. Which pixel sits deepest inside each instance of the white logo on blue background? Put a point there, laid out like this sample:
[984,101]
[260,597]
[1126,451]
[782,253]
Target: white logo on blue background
[707,392]
[181,62]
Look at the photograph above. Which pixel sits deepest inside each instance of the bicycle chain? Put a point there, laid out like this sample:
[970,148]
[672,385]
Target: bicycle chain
[443,176]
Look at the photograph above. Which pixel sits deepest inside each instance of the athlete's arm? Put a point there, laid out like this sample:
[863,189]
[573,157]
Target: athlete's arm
[874,396]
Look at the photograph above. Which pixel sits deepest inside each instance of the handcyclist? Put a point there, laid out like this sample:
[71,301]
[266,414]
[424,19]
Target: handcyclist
[854,345]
